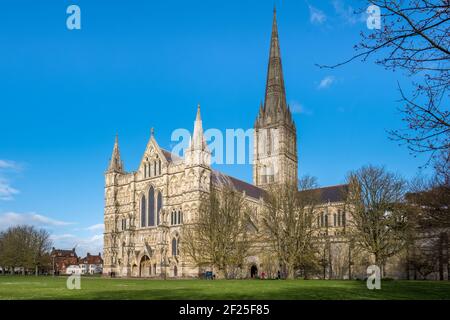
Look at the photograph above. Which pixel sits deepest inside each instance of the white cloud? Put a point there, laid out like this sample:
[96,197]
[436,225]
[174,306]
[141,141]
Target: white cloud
[96,227]
[326,82]
[9,219]
[8,164]
[83,245]
[298,108]
[347,13]
[7,192]
[316,16]
[60,231]
[64,236]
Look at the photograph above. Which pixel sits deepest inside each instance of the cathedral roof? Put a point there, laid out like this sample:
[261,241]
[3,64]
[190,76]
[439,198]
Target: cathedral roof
[327,194]
[250,190]
[169,155]
[332,193]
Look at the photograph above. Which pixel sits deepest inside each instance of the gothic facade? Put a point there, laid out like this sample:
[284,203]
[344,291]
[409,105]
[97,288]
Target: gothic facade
[145,209]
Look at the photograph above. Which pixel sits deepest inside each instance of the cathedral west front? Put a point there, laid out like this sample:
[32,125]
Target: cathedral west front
[145,209]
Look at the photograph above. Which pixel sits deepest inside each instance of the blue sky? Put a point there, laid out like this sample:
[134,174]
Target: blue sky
[141,64]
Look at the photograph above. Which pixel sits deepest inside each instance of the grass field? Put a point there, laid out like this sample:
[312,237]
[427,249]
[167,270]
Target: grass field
[30,287]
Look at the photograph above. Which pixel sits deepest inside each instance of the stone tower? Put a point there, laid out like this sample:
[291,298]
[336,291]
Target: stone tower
[112,175]
[275,138]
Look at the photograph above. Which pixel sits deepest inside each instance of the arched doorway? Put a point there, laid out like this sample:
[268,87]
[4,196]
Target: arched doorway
[134,271]
[175,271]
[145,267]
[253,271]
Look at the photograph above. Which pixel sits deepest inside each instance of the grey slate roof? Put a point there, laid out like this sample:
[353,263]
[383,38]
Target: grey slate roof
[250,190]
[332,193]
[327,194]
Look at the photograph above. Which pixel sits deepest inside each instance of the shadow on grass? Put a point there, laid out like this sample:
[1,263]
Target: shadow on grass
[129,289]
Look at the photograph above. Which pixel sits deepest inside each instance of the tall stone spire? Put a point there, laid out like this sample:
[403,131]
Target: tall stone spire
[198,153]
[275,137]
[115,163]
[275,98]
[198,140]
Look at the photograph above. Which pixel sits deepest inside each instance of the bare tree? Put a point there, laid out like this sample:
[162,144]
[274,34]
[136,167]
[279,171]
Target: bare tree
[287,220]
[40,248]
[428,201]
[219,236]
[26,247]
[378,223]
[414,38]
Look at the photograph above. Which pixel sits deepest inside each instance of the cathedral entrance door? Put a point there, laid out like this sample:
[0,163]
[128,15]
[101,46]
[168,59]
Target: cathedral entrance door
[253,271]
[145,267]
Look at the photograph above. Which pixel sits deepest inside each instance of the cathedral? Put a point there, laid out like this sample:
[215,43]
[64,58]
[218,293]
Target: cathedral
[145,209]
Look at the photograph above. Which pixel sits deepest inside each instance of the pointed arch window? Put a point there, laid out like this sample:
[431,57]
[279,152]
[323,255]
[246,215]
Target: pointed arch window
[151,207]
[158,207]
[174,247]
[143,212]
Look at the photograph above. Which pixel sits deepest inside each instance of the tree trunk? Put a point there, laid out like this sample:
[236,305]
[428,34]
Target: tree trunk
[36,271]
[447,258]
[330,263]
[441,256]
[350,261]
[407,263]
[290,272]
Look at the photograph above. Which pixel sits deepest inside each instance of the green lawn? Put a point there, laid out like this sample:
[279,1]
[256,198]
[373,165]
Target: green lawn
[30,287]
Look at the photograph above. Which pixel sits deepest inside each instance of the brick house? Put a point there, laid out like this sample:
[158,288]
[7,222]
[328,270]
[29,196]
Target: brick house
[61,259]
[91,264]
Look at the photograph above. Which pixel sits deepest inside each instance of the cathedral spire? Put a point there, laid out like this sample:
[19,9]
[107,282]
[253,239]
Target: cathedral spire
[275,98]
[198,139]
[115,163]
[275,137]
[198,153]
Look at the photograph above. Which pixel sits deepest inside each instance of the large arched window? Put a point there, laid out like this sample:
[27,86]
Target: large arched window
[158,207]
[143,213]
[174,247]
[151,207]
